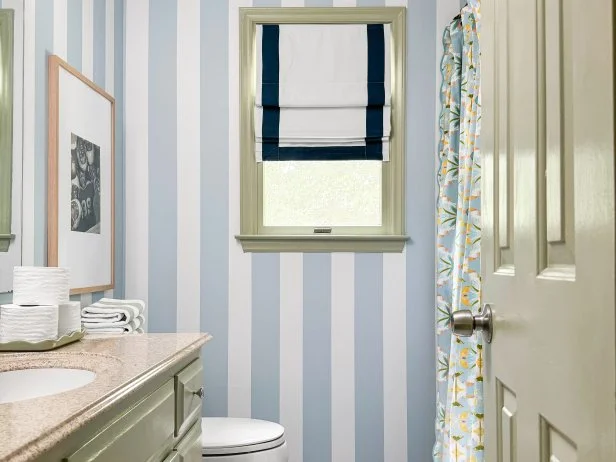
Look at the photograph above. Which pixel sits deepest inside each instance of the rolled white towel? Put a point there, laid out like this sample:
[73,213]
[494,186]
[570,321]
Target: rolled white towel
[34,285]
[28,323]
[69,318]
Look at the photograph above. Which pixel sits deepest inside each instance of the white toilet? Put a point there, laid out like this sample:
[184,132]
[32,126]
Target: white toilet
[227,439]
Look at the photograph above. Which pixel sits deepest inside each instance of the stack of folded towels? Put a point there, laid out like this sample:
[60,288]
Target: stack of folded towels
[111,316]
[41,309]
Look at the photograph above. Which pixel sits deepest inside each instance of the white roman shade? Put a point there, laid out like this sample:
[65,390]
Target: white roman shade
[323,92]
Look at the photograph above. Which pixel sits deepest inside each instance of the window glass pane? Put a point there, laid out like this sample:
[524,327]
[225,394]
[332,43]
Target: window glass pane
[322,193]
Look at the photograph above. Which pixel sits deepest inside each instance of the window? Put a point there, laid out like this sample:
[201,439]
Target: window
[320,186]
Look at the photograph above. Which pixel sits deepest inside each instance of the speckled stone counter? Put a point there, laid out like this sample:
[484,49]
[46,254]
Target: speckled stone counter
[29,428]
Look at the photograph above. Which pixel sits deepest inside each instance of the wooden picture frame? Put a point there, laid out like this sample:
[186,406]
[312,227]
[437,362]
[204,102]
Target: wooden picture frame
[81,156]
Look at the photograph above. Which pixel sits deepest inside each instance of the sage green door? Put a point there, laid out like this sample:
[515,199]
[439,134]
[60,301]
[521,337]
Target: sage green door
[548,244]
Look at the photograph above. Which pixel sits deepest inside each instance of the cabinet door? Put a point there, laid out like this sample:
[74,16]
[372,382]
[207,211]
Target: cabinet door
[144,433]
[189,447]
[188,392]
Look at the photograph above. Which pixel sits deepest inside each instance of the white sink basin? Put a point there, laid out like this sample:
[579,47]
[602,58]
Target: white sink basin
[25,384]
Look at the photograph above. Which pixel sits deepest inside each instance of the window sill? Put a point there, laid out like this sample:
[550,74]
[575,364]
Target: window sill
[321,243]
[5,241]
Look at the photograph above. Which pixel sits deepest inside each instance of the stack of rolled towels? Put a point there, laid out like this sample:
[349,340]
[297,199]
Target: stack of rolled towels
[111,316]
[41,309]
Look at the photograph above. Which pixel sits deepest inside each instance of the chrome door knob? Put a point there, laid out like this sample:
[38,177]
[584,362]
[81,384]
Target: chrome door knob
[464,323]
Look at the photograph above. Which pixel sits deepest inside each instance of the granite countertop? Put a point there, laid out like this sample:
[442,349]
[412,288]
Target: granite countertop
[28,428]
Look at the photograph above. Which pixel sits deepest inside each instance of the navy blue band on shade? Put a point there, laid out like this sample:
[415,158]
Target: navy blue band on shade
[269,93]
[376,91]
[373,150]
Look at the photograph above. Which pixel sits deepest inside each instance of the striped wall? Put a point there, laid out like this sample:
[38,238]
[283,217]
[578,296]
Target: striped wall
[337,347]
[89,35]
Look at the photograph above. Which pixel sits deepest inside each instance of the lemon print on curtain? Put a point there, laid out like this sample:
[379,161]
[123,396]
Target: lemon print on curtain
[460,418]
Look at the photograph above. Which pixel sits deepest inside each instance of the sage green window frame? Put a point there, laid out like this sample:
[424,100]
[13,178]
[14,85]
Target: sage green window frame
[255,237]
[6,126]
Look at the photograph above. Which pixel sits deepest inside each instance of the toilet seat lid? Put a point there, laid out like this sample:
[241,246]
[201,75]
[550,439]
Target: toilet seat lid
[229,435]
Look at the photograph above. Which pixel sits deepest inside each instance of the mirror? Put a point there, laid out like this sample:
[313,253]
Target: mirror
[6,126]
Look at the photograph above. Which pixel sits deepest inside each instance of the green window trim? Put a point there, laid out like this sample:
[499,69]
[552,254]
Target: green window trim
[6,127]
[254,237]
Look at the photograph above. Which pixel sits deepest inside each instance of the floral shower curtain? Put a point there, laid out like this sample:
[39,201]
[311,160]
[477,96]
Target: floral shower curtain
[460,418]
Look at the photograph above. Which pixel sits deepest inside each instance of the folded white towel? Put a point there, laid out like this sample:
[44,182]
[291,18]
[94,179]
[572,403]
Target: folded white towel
[114,327]
[127,312]
[138,304]
[102,317]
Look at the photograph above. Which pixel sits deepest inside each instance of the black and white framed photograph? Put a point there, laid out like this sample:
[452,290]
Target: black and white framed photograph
[86,186]
[81,179]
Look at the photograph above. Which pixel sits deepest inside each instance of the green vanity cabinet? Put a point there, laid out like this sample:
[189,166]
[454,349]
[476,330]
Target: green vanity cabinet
[158,422]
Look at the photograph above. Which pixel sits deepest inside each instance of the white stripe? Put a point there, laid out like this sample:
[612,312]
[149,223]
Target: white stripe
[60,29]
[240,277]
[343,345]
[291,351]
[110,72]
[343,356]
[110,47]
[188,167]
[394,356]
[87,39]
[394,348]
[292,3]
[136,129]
[29,134]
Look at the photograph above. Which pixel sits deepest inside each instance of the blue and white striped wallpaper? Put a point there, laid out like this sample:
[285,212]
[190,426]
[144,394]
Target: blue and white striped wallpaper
[89,35]
[339,348]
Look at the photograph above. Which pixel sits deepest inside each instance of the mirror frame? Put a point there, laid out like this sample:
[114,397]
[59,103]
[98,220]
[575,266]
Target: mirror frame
[6,126]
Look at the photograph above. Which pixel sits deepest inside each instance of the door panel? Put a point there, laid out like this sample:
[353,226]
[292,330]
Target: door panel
[548,229]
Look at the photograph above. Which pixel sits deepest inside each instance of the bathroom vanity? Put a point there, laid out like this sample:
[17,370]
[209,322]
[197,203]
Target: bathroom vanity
[144,403]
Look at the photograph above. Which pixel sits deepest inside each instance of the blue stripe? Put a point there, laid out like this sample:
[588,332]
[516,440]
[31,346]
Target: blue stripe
[266,336]
[369,420]
[318,3]
[43,46]
[317,348]
[74,39]
[99,43]
[215,201]
[96,296]
[162,142]
[420,218]
[118,89]
[75,298]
